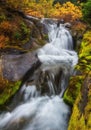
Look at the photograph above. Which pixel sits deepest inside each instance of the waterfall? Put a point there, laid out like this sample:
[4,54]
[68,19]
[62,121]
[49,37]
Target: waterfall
[58,54]
[40,106]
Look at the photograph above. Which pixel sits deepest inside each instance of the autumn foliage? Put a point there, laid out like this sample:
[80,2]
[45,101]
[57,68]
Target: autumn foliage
[13,29]
[13,32]
[3,41]
[66,11]
[44,8]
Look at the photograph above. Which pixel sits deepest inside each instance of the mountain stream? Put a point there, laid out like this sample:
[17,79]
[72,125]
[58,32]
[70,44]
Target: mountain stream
[40,106]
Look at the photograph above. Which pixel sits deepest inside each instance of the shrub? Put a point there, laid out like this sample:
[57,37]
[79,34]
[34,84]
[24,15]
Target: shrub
[3,41]
[87,11]
[67,11]
[6,27]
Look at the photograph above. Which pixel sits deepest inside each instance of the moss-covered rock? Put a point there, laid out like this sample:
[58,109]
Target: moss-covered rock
[7,90]
[84,64]
[78,93]
[17,30]
[14,30]
[81,115]
[15,70]
[73,89]
[77,120]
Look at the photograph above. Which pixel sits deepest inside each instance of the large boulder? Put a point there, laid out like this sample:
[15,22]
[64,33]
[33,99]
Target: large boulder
[14,67]
[15,70]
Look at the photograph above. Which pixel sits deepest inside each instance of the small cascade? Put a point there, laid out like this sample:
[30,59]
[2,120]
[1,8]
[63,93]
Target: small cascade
[29,92]
[39,105]
[58,54]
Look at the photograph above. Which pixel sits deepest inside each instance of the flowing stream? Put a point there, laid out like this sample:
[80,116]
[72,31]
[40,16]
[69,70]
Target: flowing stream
[40,106]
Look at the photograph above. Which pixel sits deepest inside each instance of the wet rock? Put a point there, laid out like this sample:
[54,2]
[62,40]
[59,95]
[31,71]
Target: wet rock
[16,66]
[39,34]
[15,70]
[11,50]
[31,18]
[32,44]
[68,25]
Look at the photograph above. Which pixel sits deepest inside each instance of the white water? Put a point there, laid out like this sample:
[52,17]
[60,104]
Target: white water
[36,112]
[58,54]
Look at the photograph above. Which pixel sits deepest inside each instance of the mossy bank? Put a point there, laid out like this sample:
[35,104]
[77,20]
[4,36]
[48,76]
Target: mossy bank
[78,93]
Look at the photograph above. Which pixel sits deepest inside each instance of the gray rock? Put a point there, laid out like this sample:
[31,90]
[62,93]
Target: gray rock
[15,67]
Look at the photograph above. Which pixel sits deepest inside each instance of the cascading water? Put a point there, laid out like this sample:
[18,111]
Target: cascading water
[37,111]
[58,54]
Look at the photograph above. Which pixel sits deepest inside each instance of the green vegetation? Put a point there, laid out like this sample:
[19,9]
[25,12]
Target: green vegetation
[14,31]
[85,54]
[78,93]
[87,11]
[77,120]
[73,90]
[10,88]
[81,115]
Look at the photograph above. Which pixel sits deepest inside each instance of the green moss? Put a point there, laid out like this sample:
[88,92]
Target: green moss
[73,90]
[87,111]
[45,37]
[9,91]
[2,17]
[41,42]
[17,35]
[77,121]
[81,120]
[16,29]
[25,30]
[22,34]
[84,64]
[81,113]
